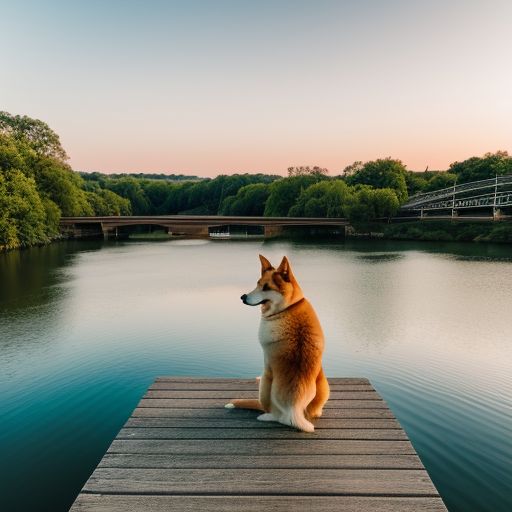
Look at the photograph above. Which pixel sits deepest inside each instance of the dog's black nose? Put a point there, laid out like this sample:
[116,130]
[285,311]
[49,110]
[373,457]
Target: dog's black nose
[243,297]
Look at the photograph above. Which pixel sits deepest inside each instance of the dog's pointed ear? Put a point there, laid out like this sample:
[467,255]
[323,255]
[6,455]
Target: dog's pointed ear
[285,270]
[265,264]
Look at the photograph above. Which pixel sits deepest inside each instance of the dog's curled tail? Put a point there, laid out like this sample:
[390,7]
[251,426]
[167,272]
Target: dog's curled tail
[245,403]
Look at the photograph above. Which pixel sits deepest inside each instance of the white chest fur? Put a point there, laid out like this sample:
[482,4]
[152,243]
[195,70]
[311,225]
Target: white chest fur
[269,331]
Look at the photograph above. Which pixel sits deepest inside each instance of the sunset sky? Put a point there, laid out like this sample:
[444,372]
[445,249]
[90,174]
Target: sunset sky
[222,86]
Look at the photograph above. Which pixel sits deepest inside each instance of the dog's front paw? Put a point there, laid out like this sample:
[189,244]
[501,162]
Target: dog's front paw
[258,378]
[230,406]
[266,417]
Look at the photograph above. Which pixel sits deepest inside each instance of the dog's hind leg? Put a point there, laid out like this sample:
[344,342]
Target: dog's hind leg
[245,403]
[315,407]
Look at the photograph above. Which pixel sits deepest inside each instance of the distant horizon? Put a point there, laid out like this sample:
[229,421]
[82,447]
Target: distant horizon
[207,88]
[279,173]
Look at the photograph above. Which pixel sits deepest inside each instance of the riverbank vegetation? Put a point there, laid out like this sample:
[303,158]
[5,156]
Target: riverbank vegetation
[38,186]
[445,231]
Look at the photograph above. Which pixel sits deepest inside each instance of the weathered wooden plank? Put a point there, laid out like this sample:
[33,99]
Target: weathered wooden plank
[255,433]
[164,458]
[214,403]
[246,386]
[229,395]
[127,503]
[220,412]
[141,460]
[234,421]
[261,447]
[261,481]
[214,380]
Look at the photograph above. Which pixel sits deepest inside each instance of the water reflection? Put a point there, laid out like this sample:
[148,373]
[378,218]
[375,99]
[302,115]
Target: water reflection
[380,258]
[84,328]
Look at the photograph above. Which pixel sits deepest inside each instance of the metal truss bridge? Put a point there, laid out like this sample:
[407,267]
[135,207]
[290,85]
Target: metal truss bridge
[493,194]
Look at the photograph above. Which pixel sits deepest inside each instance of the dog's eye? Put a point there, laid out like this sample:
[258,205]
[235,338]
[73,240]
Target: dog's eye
[266,287]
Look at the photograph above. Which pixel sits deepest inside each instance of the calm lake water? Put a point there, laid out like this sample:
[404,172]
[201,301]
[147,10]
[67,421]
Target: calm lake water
[86,326]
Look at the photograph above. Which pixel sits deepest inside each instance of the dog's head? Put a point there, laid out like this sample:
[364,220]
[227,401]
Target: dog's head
[276,289]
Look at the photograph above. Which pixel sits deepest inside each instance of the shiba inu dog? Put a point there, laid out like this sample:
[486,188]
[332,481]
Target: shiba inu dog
[292,388]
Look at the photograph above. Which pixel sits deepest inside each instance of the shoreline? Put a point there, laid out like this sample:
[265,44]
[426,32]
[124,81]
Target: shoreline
[419,231]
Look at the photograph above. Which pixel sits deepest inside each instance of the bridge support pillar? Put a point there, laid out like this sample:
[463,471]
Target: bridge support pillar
[109,233]
[105,232]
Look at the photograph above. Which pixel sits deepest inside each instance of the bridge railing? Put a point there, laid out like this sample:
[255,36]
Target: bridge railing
[480,201]
[425,198]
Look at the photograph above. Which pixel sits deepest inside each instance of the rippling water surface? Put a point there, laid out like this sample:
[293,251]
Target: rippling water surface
[85,327]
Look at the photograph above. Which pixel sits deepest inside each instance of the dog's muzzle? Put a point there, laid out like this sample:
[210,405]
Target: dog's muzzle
[244,300]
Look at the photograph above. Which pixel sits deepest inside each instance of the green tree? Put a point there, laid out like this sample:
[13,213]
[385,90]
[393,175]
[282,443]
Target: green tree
[439,181]
[249,200]
[285,192]
[59,183]
[383,173]
[33,148]
[415,182]
[369,205]
[323,199]
[23,216]
[352,169]
[39,136]
[131,189]
[53,215]
[207,196]
[177,198]
[481,168]
[156,192]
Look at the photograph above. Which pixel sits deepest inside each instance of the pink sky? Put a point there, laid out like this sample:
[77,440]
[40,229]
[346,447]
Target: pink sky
[207,88]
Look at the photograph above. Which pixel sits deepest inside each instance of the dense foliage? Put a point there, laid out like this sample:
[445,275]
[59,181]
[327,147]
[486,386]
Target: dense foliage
[194,197]
[249,200]
[382,173]
[37,186]
[474,169]
[324,199]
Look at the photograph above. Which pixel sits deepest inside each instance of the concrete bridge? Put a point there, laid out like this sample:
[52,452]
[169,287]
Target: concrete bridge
[193,225]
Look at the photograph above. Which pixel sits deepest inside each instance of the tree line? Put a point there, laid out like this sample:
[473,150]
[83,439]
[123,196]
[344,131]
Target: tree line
[37,187]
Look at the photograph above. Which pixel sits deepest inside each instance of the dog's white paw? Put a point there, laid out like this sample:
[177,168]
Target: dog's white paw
[307,427]
[258,378]
[266,417]
[230,406]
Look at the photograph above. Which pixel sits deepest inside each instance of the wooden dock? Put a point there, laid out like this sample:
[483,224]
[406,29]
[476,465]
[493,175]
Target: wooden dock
[181,450]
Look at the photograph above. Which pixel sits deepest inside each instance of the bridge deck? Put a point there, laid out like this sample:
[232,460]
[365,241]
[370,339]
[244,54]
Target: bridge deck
[181,450]
[204,220]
